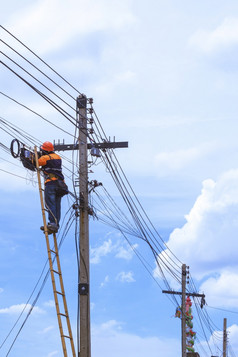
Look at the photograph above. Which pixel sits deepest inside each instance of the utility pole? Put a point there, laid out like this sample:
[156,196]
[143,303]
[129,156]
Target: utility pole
[84,274]
[224,338]
[84,348]
[183,307]
[183,318]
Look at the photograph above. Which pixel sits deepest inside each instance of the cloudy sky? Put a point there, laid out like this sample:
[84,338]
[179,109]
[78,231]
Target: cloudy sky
[164,77]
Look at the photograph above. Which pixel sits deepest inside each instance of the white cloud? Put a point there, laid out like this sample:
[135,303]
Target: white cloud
[126,253]
[117,248]
[59,21]
[17,309]
[124,78]
[177,160]
[110,326]
[97,253]
[53,353]
[49,303]
[233,335]
[222,37]
[106,280]
[1,290]
[125,277]
[222,289]
[109,339]
[46,330]
[206,241]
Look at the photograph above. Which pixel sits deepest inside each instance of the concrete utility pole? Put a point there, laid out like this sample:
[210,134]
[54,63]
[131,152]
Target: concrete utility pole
[183,318]
[224,338]
[84,349]
[84,293]
[183,309]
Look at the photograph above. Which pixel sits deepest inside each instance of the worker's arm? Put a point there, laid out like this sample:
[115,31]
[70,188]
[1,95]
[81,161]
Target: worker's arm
[42,160]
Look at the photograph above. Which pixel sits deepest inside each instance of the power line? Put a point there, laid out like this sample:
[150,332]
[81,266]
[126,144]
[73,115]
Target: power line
[145,228]
[51,91]
[34,112]
[40,59]
[217,308]
[68,116]
[15,132]
[38,69]
[65,232]
[10,173]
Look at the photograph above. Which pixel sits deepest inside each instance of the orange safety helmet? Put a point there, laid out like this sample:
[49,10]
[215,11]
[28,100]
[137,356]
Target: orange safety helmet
[47,146]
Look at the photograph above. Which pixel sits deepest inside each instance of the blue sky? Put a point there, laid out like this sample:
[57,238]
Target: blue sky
[163,76]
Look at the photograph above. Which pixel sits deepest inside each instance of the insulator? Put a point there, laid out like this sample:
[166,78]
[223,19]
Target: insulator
[90,211]
[91,121]
[95,152]
[90,100]
[91,110]
[91,131]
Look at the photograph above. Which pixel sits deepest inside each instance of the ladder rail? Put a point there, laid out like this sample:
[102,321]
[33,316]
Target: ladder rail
[53,271]
[63,292]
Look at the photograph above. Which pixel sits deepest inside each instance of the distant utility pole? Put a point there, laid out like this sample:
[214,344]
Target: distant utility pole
[183,319]
[183,307]
[84,348]
[224,338]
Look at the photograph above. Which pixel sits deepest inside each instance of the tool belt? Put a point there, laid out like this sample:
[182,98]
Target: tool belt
[50,177]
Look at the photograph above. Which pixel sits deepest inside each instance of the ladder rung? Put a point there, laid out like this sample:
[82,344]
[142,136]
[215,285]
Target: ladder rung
[55,271]
[60,313]
[52,251]
[67,337]
[58,292]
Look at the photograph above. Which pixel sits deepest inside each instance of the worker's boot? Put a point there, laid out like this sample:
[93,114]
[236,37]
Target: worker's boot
[42,228]
[52,227]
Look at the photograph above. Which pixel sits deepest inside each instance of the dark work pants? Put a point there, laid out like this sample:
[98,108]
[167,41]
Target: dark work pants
[53,203]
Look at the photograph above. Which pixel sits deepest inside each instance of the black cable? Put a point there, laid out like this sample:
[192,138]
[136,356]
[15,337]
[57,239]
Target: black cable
[134,192]
[10,173]
[39,58]
[34,112]
[12,163]
[218,308]
[5,148]
[140,257]
[37,80]
[38,69]
[14,325]
[17,132]
[50,101]
[144,213]
[139,220]
[115,172]
[133,211]
[39,292]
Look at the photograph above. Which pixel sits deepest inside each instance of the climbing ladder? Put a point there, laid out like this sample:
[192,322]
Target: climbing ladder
[58,291]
